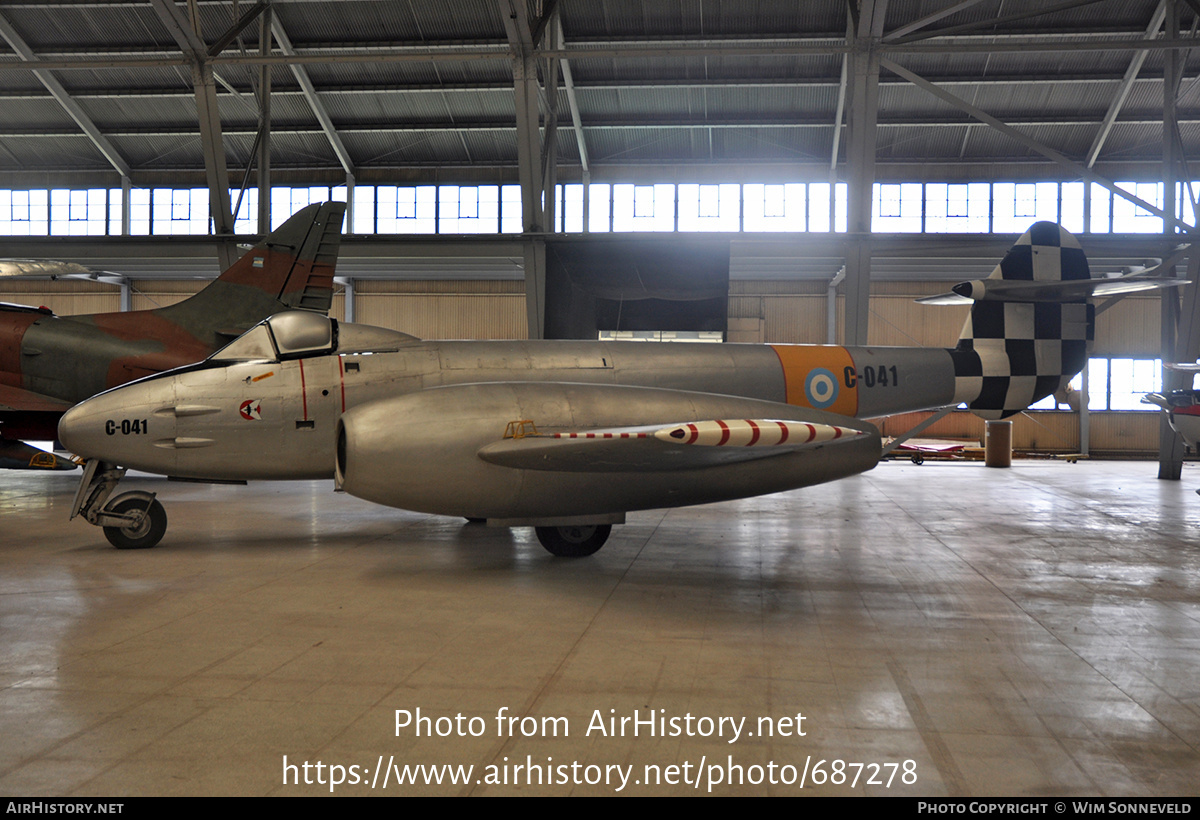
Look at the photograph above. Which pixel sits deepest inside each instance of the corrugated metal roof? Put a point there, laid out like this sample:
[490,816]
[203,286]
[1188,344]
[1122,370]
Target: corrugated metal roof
[713,82]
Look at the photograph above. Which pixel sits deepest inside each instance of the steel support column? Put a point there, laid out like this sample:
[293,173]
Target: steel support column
[863,86]
[264,123]
[1170,447]
[529,159]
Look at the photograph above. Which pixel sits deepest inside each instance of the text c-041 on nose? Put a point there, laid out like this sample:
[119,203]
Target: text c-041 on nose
[127,427]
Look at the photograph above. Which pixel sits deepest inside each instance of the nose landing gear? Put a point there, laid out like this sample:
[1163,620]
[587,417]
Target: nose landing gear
[134,520]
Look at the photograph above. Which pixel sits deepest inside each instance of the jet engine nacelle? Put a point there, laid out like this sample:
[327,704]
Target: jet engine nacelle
[453,451]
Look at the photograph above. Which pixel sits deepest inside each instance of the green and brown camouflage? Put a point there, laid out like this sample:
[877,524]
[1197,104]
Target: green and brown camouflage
[49,363]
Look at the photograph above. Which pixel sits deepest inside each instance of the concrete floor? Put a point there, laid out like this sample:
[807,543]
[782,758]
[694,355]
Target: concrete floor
[1032,631]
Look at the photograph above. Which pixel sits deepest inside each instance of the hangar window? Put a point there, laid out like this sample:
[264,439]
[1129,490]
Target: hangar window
[1071,195]
[405,209]
[709,207]
[245,217]
[79,212]
[599,207]
[1016,205]
[643,207]
[1129,380]
[932,207]
[1025,201]
[958,208]
[468,209]
[956,200]
[774,200]
[898,207]
[779,207]
[1187,201]
[1101,200]
[1130,218]
[24,213]
[510,209]
[1114,383]
[569,214]
[643,201]
[889,200]
[468,202]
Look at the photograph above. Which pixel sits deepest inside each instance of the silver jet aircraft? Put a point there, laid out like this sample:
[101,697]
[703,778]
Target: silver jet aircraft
[568,436]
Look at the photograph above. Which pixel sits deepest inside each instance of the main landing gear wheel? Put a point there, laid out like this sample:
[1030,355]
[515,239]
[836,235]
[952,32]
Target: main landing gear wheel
[144,535]
[575,541]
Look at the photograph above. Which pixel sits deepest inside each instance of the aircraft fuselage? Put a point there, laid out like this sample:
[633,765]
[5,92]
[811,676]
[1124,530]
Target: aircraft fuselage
[278,420]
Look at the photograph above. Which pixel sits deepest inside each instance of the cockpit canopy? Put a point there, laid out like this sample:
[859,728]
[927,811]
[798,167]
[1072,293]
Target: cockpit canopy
[296,334]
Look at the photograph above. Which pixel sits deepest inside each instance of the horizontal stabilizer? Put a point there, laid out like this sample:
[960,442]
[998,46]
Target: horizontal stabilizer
[657,448]
[1075,290]
[41,267]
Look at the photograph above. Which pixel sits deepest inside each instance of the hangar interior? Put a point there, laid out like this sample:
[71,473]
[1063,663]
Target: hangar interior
[1026,632]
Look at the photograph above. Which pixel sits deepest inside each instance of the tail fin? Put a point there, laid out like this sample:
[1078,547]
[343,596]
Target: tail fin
[1024,341]
[293,267]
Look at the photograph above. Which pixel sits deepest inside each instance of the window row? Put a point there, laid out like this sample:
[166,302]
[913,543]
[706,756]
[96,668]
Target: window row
[1115,384]
[929,207]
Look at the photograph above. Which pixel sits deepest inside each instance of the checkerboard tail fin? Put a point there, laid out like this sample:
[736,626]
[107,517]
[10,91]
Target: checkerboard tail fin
[1018,349]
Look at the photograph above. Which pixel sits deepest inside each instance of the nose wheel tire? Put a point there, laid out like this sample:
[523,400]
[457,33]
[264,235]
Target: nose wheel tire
[144,535]
[575,541]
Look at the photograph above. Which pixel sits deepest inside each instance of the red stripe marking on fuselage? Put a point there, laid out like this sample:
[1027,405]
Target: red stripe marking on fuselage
[812,432]
[303,391]
[342,380]
[724,432]
[754,433]
[783,431]
[695,434]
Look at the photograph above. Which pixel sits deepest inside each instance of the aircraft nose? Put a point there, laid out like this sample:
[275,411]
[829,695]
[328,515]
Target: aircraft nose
[88,428]
[123,426]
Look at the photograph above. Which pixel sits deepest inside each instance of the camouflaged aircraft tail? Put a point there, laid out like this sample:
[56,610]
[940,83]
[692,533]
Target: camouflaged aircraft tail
[291,268]
[1027,335]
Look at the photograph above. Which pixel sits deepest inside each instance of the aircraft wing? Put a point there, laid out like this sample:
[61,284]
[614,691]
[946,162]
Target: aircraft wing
[18,399]
[28,415]
[658,448]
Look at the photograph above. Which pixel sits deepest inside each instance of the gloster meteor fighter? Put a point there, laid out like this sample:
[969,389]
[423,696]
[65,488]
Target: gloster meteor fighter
[48,362]
[567,436]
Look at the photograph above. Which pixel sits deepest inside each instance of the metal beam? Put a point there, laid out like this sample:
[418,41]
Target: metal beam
[990,23]
[64,99]
[929,18]
[1131,73]
[1029,142]
[576,119]
[209,117]
[918,429]
[233,31]
[310,94]
[777,47]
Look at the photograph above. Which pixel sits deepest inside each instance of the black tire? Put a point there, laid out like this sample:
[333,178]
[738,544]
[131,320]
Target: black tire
[573,542]
[151,531]
[918,459]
